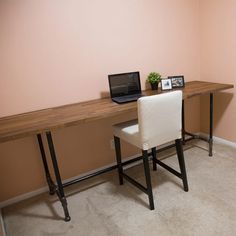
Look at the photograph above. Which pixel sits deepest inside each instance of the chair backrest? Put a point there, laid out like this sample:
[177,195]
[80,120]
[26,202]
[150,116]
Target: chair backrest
[159,118]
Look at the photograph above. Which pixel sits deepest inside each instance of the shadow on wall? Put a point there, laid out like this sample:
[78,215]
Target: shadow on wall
[104,94]
[221,101]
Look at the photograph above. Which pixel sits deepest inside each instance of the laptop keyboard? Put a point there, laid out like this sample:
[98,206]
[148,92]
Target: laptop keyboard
[127,98]
[133,96]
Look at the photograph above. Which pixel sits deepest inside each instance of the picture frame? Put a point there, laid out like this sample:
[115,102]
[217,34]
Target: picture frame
[166,84]
[177,81]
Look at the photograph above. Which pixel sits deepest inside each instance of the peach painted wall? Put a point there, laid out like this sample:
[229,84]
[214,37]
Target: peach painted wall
[58,52]
[218,57]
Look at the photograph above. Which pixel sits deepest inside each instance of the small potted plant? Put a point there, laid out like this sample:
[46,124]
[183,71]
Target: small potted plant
[154,78]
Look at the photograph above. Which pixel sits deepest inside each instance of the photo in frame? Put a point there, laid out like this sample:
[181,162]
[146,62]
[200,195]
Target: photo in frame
[177,81]
[166,84]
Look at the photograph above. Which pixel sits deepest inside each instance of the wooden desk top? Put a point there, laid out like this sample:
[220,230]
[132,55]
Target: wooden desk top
[31,123]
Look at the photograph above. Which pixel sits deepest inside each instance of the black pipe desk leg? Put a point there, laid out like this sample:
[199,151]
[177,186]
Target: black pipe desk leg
[148,179]
[118,159]
[211,125]
[183,123]
[180,156]
[60,190]
[51,185]
[154,157]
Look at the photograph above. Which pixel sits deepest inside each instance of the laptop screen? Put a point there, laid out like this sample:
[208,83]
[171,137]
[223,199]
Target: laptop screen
[124,84]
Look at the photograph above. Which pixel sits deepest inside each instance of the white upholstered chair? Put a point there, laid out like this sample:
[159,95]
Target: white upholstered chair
[159,122]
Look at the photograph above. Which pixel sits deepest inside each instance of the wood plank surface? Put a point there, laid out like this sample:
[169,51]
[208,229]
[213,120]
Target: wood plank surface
[31,123]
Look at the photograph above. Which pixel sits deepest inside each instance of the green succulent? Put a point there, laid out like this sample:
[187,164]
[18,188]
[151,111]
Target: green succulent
[154,77]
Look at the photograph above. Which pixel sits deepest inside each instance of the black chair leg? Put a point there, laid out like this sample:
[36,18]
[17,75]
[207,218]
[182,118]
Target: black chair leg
[148,179]
[154,156]
[118,159]
[180,156]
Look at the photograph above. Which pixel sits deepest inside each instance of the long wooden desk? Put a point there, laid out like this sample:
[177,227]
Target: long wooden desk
[44,121]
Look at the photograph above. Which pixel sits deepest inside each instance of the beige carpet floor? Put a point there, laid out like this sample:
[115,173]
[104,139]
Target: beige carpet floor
[101,207]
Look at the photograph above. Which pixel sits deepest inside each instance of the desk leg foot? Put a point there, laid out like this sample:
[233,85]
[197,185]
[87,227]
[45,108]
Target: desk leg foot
[66,212]
[67,218]
[210,147]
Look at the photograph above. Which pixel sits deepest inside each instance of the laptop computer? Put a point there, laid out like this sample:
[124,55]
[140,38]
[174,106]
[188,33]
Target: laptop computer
[125,87]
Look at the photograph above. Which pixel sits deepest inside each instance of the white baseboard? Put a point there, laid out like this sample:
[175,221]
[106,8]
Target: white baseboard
[2,227]
[224,141]
[219,140]
[23,197]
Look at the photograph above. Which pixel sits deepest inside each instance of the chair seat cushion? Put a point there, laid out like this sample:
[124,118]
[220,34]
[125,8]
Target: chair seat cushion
[129,132]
